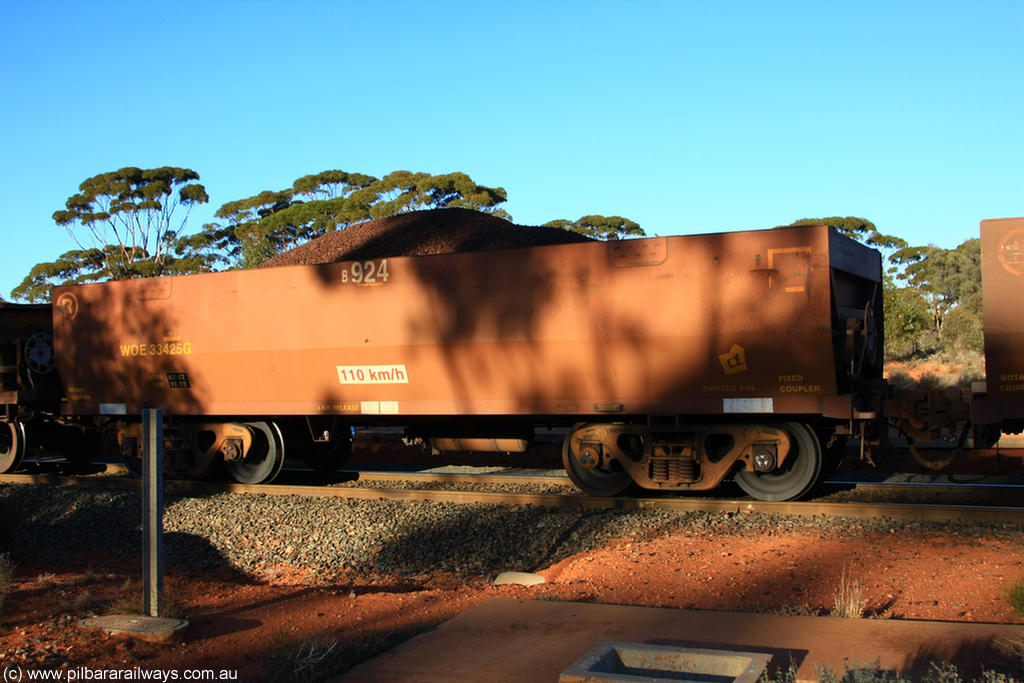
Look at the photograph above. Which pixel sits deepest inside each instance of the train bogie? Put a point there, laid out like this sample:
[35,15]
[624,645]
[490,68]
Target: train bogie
[771,461]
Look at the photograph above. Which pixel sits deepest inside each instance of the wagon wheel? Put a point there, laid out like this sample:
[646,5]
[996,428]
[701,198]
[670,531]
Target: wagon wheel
[796,475]
[265,457]
[595,481]
[12,445]
[935,464]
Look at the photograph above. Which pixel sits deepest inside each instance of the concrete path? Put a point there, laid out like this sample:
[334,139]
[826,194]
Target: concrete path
[533,641]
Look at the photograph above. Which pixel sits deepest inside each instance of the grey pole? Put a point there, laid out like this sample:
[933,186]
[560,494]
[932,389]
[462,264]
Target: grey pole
[152,510]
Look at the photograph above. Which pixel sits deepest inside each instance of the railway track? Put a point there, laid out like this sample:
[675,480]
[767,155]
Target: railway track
[415,486]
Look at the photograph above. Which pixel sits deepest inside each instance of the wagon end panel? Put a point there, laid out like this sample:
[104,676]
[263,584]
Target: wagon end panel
[127,345]
[27,376]
[1002,272]
[857,314]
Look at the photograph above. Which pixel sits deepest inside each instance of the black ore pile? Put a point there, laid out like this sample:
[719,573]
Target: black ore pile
[440,231]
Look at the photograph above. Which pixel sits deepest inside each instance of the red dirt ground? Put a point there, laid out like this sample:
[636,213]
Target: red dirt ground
[250,627]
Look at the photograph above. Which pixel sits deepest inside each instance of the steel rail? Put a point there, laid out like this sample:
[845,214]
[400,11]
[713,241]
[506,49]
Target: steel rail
[892,511]
[460,477]
[558,477]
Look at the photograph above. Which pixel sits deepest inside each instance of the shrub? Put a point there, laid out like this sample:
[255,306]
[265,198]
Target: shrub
[130,600]
[6,577]
[961,331]
[849,597]
[1015,595]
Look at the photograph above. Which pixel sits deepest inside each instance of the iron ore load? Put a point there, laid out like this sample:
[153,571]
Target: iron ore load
[672,362]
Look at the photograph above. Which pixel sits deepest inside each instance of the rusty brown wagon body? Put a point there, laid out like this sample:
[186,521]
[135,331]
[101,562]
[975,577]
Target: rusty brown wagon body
[739,322]
[658,349]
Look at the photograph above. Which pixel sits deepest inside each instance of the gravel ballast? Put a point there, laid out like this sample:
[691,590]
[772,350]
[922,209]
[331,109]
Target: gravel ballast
[251,534]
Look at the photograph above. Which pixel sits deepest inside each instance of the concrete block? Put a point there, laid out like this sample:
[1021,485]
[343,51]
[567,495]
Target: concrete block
[617,662]
[151,629]
[518,578]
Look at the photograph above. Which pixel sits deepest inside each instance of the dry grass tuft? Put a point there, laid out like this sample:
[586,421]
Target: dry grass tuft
[83,602]
[130,601]
[850,601]
[6,577]
[315,658]
[308,661]
[46,580]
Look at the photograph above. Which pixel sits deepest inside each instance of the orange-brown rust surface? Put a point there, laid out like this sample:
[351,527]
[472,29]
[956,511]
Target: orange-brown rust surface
[736,322]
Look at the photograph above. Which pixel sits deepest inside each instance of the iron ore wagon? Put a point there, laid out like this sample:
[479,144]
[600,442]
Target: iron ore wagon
[673,360]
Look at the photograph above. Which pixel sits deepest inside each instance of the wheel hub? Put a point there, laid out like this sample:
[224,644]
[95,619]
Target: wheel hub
[589,456]
[232,449]
[764,458]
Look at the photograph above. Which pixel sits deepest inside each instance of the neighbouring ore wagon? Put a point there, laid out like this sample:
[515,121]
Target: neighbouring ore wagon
[671,361]
[1002,269]
[28,382]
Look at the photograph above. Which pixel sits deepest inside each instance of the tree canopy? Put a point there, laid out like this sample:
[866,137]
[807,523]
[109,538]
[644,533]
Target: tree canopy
[599,227]
[945,279]
[131,222]
[924,287]
[859,229]
[126,223]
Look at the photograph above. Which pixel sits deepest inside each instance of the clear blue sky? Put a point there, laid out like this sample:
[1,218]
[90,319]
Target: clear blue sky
[687,117]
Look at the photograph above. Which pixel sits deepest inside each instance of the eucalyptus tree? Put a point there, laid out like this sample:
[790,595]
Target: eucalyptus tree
[925,287]
[949,280]
[127,223]
[600,227]
[860,229]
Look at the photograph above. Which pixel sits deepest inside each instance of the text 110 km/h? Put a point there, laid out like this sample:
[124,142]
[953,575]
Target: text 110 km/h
[373,374]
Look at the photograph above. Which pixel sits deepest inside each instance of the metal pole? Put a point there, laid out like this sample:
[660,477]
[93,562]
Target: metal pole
[152,510]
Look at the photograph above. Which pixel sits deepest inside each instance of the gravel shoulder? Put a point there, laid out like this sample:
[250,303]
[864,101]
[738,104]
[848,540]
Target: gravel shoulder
[260,575]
